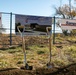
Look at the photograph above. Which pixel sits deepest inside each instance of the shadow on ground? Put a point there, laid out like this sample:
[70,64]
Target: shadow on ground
[68,70]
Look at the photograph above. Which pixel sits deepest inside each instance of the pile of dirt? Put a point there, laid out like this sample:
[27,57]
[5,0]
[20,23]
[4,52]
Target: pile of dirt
[68,70]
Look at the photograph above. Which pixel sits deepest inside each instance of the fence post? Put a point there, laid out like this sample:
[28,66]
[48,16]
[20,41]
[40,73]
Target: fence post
[54,31]
[10,28]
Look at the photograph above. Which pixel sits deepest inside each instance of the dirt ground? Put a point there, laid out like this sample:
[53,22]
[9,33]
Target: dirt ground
[68,70]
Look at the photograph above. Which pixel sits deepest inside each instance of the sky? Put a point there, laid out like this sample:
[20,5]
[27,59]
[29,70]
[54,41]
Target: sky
[30,7]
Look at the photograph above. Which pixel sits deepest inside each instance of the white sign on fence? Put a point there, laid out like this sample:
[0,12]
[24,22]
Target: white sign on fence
[66,24]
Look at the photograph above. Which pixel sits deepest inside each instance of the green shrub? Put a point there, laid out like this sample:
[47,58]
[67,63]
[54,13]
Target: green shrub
[65,32]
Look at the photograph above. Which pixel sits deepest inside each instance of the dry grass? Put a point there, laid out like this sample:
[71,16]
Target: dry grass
[38,54]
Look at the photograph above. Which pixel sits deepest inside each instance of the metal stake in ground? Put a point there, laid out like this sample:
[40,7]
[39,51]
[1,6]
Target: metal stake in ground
[23,47]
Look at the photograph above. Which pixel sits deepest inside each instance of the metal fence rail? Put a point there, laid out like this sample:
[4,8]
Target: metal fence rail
[8,20]
[8,27]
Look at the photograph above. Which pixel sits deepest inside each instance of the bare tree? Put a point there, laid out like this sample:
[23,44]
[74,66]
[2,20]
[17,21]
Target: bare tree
[65,12]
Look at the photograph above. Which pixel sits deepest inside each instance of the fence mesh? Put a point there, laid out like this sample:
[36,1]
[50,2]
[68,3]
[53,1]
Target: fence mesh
[7,31]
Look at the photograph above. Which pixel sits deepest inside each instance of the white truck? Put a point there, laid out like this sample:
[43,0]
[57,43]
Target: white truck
[33,22]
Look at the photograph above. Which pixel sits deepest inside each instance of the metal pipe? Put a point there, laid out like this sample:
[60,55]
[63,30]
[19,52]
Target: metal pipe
[54,31]
[10,28]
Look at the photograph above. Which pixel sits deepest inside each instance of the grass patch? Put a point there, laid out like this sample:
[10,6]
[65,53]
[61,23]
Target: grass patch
[40,52]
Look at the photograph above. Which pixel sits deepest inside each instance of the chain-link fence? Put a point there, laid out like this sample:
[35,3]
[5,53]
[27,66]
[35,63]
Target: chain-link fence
[7,28]
[64,28]
[60,28]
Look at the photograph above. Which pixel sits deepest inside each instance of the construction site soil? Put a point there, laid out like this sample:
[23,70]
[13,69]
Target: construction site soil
[67,70]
